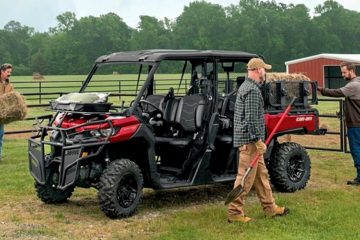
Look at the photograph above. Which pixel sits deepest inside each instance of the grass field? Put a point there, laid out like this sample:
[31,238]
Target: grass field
[326,209]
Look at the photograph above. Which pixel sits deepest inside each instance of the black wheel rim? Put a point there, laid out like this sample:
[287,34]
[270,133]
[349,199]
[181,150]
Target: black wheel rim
[296,169]
[127,191]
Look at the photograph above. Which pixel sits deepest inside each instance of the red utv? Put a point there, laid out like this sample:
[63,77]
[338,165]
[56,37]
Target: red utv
[166,123]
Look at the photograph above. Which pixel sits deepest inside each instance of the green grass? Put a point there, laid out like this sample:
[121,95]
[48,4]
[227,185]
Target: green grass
[326,209]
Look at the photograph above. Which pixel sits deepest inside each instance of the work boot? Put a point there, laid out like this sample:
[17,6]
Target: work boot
[277,211]
[238,218]
[354,182]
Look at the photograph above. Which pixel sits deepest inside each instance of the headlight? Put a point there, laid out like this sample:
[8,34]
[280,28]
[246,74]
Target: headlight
[106,132]
[95,133]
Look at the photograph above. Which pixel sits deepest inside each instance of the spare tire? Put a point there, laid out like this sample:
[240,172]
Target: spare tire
[289,167]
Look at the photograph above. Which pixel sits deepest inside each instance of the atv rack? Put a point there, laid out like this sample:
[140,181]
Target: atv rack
[278,94]
[80,107]
[73,143]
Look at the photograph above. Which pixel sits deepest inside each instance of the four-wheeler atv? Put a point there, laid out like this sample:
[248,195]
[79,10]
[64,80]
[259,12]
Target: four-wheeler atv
[166,123]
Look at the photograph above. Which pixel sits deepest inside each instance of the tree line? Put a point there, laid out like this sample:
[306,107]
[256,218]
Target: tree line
[280,32]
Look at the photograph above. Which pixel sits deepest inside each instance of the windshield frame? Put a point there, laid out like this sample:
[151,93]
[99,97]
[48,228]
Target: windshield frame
[152,66]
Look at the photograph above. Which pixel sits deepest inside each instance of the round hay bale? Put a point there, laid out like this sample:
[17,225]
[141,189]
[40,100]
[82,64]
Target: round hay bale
[37,76]
[13,107]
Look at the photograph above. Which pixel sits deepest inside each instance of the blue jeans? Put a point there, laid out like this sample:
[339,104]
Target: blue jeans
[354,142]
[1,138]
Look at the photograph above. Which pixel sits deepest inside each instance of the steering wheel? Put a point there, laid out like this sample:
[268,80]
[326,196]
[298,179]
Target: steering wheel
[153,113]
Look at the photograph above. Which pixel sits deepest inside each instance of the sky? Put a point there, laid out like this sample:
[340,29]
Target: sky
[41,14]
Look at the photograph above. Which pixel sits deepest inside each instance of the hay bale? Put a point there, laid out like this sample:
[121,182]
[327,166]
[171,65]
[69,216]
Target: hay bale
[281,76]
[284,138]
[13,107]
[37,76]
[291,84]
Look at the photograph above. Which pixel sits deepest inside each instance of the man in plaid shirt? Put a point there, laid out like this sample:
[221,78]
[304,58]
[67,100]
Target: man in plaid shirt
[249,137]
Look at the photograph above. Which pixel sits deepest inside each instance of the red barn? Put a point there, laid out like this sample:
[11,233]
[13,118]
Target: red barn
[323,68]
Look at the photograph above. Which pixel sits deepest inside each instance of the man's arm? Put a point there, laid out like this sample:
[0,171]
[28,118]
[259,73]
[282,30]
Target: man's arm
[331,92]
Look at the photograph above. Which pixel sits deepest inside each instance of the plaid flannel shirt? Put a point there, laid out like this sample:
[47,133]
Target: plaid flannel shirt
[249,121]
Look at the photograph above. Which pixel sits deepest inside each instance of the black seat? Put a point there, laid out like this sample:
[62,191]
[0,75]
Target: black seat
[160,101]
[188,119]
[157,100]
[167,105]
[228,103]
[170,110]
[239,81]
[226,110]
[194,84]
[190,112]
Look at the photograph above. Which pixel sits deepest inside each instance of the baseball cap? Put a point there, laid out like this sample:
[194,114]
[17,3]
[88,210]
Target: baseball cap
[255,63]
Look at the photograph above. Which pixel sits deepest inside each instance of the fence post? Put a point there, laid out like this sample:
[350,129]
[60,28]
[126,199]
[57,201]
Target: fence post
[343,130]
[119,84]
[40,92]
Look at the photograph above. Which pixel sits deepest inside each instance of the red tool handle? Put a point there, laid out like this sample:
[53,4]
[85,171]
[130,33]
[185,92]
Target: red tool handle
[235,193]
[268,139]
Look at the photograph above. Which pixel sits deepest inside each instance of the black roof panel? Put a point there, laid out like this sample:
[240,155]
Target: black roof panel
[155,55]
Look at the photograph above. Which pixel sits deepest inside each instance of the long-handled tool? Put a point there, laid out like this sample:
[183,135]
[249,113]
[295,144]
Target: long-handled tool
[235,193]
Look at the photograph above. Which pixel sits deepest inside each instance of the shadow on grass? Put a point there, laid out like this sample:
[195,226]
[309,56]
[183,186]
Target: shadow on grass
[153,200]
[183,197]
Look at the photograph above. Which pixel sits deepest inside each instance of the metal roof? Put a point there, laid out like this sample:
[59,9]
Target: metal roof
[155,55]
[342,57]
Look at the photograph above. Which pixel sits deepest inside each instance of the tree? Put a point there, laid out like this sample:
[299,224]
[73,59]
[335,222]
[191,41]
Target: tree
[328,6]
[37,45]
[278,31]
[95,36]
[296,28]
[14,43]
[202,25]
[339,28]
[151,33]
[66,22]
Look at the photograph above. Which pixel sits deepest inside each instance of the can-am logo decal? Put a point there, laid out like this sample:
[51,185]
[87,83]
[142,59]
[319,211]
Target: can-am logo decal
[304,119]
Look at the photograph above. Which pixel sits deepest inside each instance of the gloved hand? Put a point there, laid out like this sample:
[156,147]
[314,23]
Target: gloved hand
[261,147]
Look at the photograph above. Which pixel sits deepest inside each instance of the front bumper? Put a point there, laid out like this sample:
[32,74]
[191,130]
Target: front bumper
[67,158]
[68,163]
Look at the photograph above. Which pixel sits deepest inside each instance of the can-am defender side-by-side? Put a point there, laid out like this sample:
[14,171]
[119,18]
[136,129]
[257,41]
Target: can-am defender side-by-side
[166,123]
